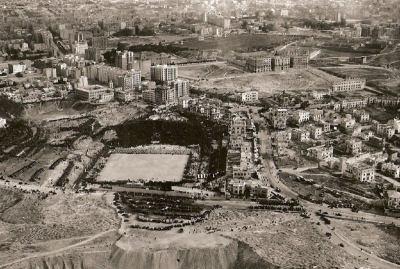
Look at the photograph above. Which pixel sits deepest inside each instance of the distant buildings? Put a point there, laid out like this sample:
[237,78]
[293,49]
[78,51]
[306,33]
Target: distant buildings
[167,94]
[276,63]
[349,84]
[258,65]
[280,63]
[218,20]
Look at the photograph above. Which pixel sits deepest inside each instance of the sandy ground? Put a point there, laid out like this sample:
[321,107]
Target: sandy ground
[269,83]
[34,224]
[209,70]
[143,166]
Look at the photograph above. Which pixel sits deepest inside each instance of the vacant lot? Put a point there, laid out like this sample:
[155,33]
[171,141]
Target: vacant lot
[270,82]
[156,167]
[370,73]
[205,71]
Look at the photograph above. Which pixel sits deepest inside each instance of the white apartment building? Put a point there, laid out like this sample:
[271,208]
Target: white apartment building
[163,73]
[249,97]
[301,116]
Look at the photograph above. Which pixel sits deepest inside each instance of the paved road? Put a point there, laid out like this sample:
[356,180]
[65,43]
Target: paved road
[269,170]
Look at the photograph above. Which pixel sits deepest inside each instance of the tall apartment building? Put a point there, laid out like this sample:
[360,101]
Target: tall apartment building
[163,73]
[219,20]
[124,60]
[257,65]
[93,54]
[164,95]
[279,118]
[181,88]
[100,42]
[130,80]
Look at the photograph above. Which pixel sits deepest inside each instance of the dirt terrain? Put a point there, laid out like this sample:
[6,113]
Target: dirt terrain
[32,223]
[269,83]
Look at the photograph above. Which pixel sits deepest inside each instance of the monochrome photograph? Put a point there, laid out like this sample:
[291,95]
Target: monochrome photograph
[199,134]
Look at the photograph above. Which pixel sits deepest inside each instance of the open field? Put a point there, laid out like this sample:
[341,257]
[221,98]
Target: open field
[121,167]
[370,72]
[270,82]
[210,70]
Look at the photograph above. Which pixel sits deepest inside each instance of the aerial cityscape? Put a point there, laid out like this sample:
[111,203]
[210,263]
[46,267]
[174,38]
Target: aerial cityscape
[188,134]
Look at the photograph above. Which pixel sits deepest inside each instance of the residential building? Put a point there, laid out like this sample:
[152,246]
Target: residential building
[93,54]
[100,42]
[320,153]
[279,118]
[219,20]
[258,65]
[383,130]
[124,95]
[301,116]
[316,114]
[347,122]
[393,199]
[349,84]
[164,95]
[361,116]
[300,135]
[299,62]
[280,63]
[181,88]
[391,169]
[354,147]
[315,132]
[236,187]
[130,80]
[95,93]
[163,73]
[16,68]
[363,172]
[354,103]
[249,97]
[124,59]
[149,95]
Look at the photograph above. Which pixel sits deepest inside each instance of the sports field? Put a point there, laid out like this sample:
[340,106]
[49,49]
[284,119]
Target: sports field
[155,167]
